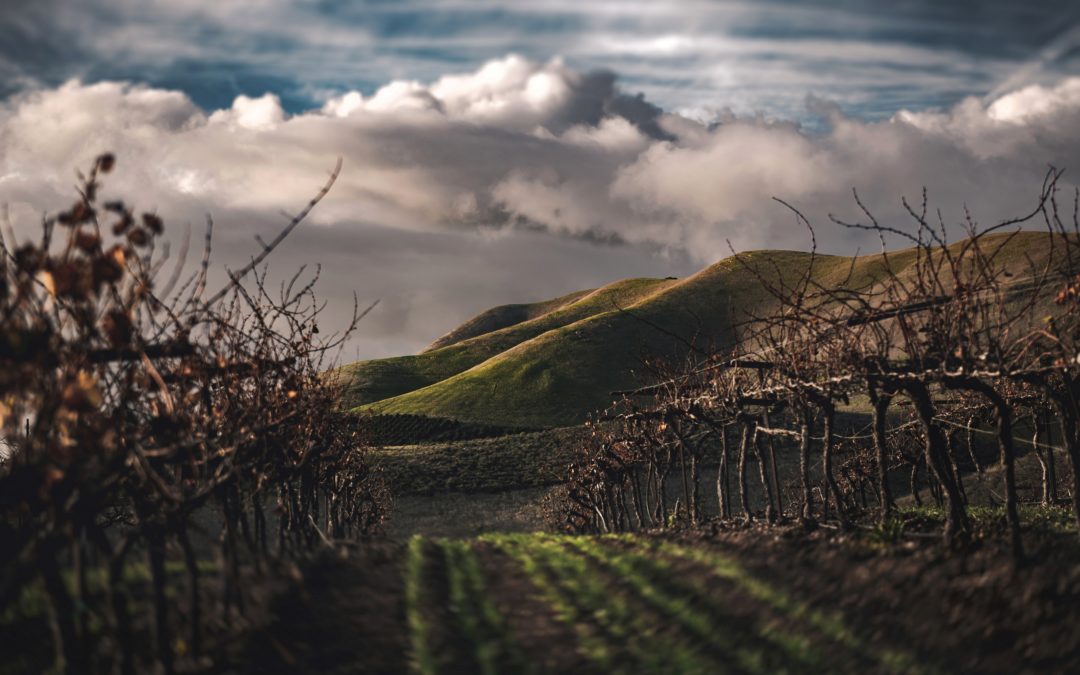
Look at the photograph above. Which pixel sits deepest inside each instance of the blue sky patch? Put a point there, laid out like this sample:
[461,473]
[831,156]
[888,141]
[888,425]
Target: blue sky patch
[700,57]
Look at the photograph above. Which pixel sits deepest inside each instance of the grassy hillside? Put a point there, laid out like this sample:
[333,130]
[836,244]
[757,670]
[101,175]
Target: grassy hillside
[370,381]
[555,369]
[504,316]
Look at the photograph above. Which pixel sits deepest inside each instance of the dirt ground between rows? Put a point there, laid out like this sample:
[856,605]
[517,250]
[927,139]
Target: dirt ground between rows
[973,611]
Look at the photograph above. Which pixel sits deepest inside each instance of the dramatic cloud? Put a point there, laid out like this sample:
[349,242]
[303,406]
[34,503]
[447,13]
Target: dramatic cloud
[454,188]
[696,56]
[991,157]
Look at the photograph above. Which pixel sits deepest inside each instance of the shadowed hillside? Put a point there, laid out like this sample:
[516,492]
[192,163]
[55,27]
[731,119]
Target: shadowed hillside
[555,369]
[504,316]
[370,381]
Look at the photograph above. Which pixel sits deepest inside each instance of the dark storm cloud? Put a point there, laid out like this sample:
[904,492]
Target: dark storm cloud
[32,51]
[871,57]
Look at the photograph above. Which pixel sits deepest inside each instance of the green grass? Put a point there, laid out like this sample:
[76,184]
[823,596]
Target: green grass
[405,429]
[640,603]
[1033,517]
[654,577]
[556,369]
[561,600]
[24,632]
[371,381]
[482,624]
[829,623]
[479,465]
[417,596]
[32,600]
[606,620]
[505,316]
[634,610]
[469,612]
[556,378]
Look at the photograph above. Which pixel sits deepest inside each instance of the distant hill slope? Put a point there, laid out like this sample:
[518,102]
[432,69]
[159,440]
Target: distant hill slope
[370,381]
[503,316]
[555,369]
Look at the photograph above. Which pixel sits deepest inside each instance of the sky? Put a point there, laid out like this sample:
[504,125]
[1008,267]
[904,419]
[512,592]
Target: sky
[511,152]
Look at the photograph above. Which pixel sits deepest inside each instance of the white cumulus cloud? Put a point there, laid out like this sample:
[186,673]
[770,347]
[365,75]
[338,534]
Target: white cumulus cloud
[554,159]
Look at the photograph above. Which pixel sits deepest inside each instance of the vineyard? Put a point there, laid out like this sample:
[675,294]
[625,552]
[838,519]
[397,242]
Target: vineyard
[405,429]
[878,469]
[961,337]
[739,602]
[170,449]
[521,460]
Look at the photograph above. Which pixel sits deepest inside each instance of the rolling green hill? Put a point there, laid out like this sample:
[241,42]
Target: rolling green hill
[552,370]
[468,346]
[504,316]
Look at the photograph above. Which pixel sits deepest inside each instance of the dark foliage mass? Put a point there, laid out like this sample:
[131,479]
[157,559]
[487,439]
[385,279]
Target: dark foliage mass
[969,337]
[151,424]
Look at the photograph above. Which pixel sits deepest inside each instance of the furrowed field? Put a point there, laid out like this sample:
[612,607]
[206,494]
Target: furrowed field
[749,601]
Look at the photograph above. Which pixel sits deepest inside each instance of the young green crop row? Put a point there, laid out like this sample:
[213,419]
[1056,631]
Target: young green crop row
[487,648]
[634,605]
